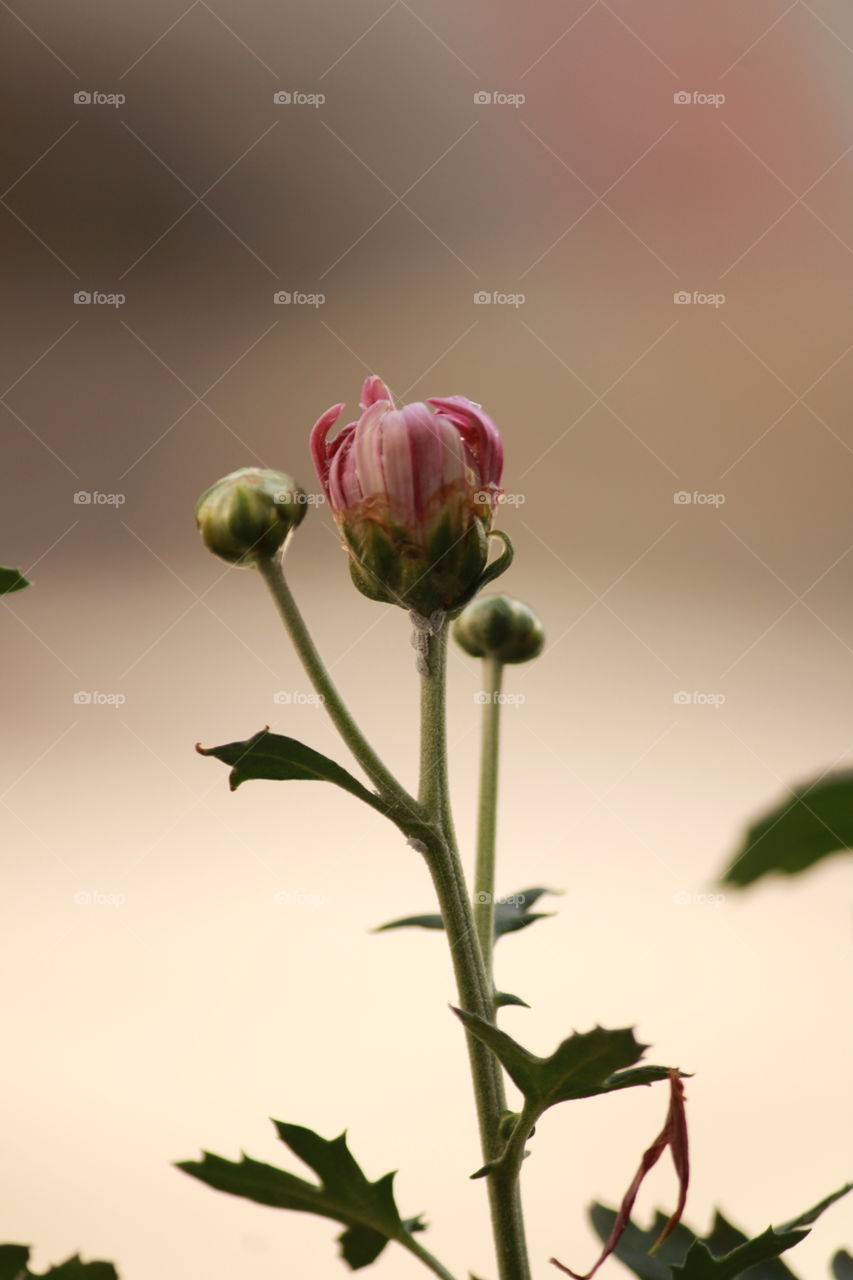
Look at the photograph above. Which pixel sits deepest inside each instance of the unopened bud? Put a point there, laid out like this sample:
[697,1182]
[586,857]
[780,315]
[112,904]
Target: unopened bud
[249,513]
[499,627]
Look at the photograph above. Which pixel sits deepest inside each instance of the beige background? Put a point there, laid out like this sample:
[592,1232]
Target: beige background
[184,1017]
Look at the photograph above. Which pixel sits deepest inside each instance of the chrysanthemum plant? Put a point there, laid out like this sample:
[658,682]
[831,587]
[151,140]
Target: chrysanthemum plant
[414,493]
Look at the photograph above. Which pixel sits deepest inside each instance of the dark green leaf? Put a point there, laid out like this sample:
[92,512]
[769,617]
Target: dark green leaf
[15,1257]
[583,1066]
[272,756]
[11,580]
[812,822]
[511,914]
[724,1254]
[842,1265]
[366,1209]
[700,1263]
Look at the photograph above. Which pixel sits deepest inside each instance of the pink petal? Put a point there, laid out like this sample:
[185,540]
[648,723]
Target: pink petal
[319,448]
[374,389]
[479,433]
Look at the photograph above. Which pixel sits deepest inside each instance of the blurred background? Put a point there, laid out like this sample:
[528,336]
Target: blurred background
[626,231]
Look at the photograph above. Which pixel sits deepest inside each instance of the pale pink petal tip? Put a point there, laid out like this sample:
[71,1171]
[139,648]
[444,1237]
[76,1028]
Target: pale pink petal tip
[374,389]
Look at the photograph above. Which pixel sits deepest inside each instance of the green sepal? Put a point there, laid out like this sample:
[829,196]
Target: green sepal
[277,758]
[815,820]
[366,1209]
[12,580]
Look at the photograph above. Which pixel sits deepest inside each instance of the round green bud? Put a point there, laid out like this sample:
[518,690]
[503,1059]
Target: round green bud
[499,627]
[249,513]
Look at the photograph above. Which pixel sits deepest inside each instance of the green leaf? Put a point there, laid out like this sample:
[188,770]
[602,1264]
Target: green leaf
[15,1257]
[11,580]
[511,914]
[583,1066]
[272,756]
[724,1254]
[842,1265]
[366,1209]
[814,821]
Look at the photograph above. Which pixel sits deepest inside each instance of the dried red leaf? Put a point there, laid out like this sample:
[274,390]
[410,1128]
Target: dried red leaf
[672,1135]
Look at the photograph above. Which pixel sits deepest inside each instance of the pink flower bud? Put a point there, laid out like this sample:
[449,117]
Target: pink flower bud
[413,491]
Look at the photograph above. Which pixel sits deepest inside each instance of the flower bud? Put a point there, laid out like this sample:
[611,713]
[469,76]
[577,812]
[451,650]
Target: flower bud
[499,627]
[414,491]
[249,513]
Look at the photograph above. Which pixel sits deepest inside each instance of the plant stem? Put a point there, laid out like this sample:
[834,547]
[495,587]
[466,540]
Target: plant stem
[272,572]
[484,874]
[475,990]
[410,1243]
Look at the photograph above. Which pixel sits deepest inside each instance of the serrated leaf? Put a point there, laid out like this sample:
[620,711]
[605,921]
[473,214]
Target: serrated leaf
[366,1209]
[724,1254]
[510,915]
[700,1263]
[14,1259]
[814,821]
[276,758]
[842,1265]
[583,1066]
[12,580]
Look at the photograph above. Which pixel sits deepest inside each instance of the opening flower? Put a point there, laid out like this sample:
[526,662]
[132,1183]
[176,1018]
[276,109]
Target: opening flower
[413,492]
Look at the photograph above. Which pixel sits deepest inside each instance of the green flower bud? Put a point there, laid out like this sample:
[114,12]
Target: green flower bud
[499,627]
[249,513]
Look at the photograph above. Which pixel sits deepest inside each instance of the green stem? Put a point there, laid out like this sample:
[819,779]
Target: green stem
[475,991]
[272,572]
[484,874]
[410,1243]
